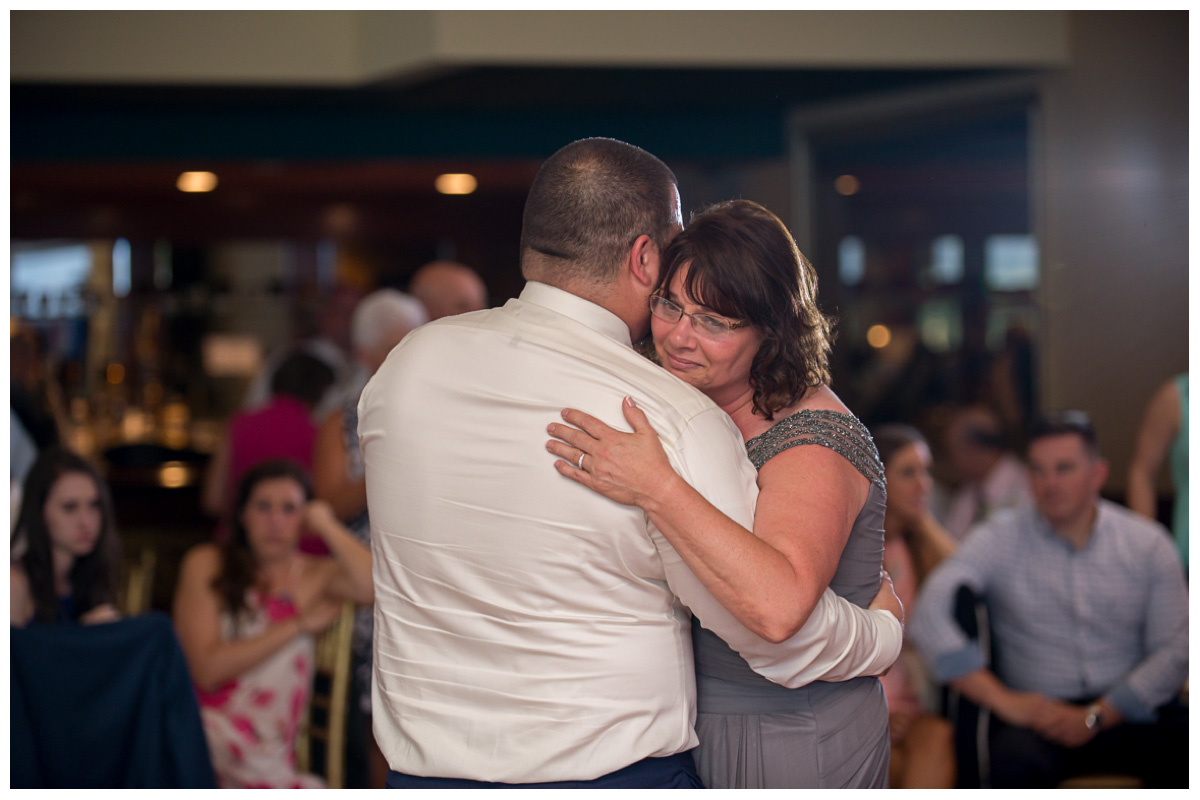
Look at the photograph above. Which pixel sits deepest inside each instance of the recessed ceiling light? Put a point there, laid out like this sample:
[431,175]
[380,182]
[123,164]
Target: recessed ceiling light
[456,183]
[196,182]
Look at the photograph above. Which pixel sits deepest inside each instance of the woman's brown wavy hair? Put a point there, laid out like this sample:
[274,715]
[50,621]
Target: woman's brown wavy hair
[744,264]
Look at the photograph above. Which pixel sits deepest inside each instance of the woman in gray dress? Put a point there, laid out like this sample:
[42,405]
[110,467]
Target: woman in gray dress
[735,315]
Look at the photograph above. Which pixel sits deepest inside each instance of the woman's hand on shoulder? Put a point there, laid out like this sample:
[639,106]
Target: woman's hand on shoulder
[20,597]
[629,468]
[886,598]
[319,517]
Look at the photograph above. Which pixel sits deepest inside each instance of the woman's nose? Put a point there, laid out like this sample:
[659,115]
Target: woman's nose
[682,332]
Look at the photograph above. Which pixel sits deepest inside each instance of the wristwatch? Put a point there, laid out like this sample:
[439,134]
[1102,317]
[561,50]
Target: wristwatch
[1095,717]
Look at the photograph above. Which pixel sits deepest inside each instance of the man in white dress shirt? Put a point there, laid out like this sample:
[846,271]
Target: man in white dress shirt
[527,630]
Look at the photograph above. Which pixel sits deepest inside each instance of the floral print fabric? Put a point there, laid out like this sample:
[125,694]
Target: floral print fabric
[251,722]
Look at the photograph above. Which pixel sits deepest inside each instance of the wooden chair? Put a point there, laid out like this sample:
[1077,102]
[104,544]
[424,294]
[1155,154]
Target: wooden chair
[136,592]
[321,740]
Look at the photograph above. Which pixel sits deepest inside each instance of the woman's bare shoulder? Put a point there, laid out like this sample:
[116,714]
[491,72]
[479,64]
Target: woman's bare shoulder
[201,559]
[20,595]
[17,576]
[821,398]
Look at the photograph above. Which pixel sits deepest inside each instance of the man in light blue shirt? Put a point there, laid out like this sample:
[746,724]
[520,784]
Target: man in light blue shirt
[1089,616]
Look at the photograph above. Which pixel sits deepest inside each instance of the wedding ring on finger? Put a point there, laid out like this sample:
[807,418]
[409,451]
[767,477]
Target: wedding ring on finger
[581,457]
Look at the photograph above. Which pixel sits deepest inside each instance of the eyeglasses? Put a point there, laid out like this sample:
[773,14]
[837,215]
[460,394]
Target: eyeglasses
[706,324]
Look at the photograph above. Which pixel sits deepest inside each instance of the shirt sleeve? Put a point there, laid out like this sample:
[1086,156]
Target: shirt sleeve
[932,627]
[839,641]
[1159,676]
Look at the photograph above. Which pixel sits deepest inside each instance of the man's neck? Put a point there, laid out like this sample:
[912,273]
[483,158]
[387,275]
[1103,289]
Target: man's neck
[634,315]
[1078,532]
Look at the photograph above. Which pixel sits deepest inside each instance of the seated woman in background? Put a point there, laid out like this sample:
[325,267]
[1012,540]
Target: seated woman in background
[70,553]
[283,429]
[246,614]
[913,544]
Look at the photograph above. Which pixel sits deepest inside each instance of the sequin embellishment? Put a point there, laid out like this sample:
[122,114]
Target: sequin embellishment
[842,433]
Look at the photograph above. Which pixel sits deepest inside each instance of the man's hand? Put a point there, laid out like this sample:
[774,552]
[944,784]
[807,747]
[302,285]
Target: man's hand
[886,598]
[1063,724]
[1022,709]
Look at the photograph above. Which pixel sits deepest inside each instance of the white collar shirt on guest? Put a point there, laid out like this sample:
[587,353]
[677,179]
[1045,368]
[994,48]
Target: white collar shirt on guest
[527,629]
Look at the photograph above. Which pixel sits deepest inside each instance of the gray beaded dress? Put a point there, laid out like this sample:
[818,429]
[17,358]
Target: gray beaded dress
[757,734]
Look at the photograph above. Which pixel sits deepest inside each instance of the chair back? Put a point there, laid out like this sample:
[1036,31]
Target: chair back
[135,593]
[321,740]
[104,707]
[971,722]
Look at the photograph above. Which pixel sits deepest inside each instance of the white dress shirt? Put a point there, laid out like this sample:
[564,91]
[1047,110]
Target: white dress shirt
[526,628]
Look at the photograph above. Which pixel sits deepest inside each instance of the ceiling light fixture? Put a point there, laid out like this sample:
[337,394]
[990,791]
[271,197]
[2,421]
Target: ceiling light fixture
[456,183]
[196,182]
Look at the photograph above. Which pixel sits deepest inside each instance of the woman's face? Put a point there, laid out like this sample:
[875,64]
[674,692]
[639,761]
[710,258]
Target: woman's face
[908,481]
[73,514]
[718,365]
[273,516]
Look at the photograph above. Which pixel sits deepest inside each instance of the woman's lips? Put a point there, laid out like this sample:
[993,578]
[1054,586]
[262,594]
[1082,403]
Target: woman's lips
[680,363]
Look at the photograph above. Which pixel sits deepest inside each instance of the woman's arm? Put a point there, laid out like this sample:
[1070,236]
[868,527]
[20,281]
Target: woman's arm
[331,481]
[769,579]
[20,597]
[216,476]
[1159,426]
[349,575]
[98,615]
[197,617]
[931,544]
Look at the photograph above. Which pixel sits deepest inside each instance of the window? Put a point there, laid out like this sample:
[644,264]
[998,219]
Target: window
[1010,263]
[48,280]
[946,265]
[852,261]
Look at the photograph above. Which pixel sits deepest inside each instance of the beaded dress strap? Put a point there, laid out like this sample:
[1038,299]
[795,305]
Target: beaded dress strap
[842,433]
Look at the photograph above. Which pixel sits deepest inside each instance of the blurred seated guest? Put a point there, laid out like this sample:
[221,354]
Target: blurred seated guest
[246,614]
[913,545]
[1163,432]
[380,321]
[992,477]
[323,332]
[34,395]
[282,429]
[22,452]
[447,288]
[67,539]
[1089,619]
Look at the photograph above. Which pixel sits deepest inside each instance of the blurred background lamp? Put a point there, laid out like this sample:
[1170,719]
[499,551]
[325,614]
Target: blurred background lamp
[456,183]
[878,336]
[196,182]
[846,184]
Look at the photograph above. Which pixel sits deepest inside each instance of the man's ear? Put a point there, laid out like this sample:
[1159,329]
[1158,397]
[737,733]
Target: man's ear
[643,262]
[1100,476]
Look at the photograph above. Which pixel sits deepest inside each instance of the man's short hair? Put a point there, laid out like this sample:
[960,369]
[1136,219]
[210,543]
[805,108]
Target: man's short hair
[377,314]
[303,377]
[1060,423]
[588,204]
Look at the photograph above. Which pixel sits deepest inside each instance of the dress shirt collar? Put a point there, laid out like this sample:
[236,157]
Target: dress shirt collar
[585,312]
[1043,526]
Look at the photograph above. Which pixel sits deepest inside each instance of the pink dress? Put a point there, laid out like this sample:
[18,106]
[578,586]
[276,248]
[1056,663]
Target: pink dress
[251,722]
